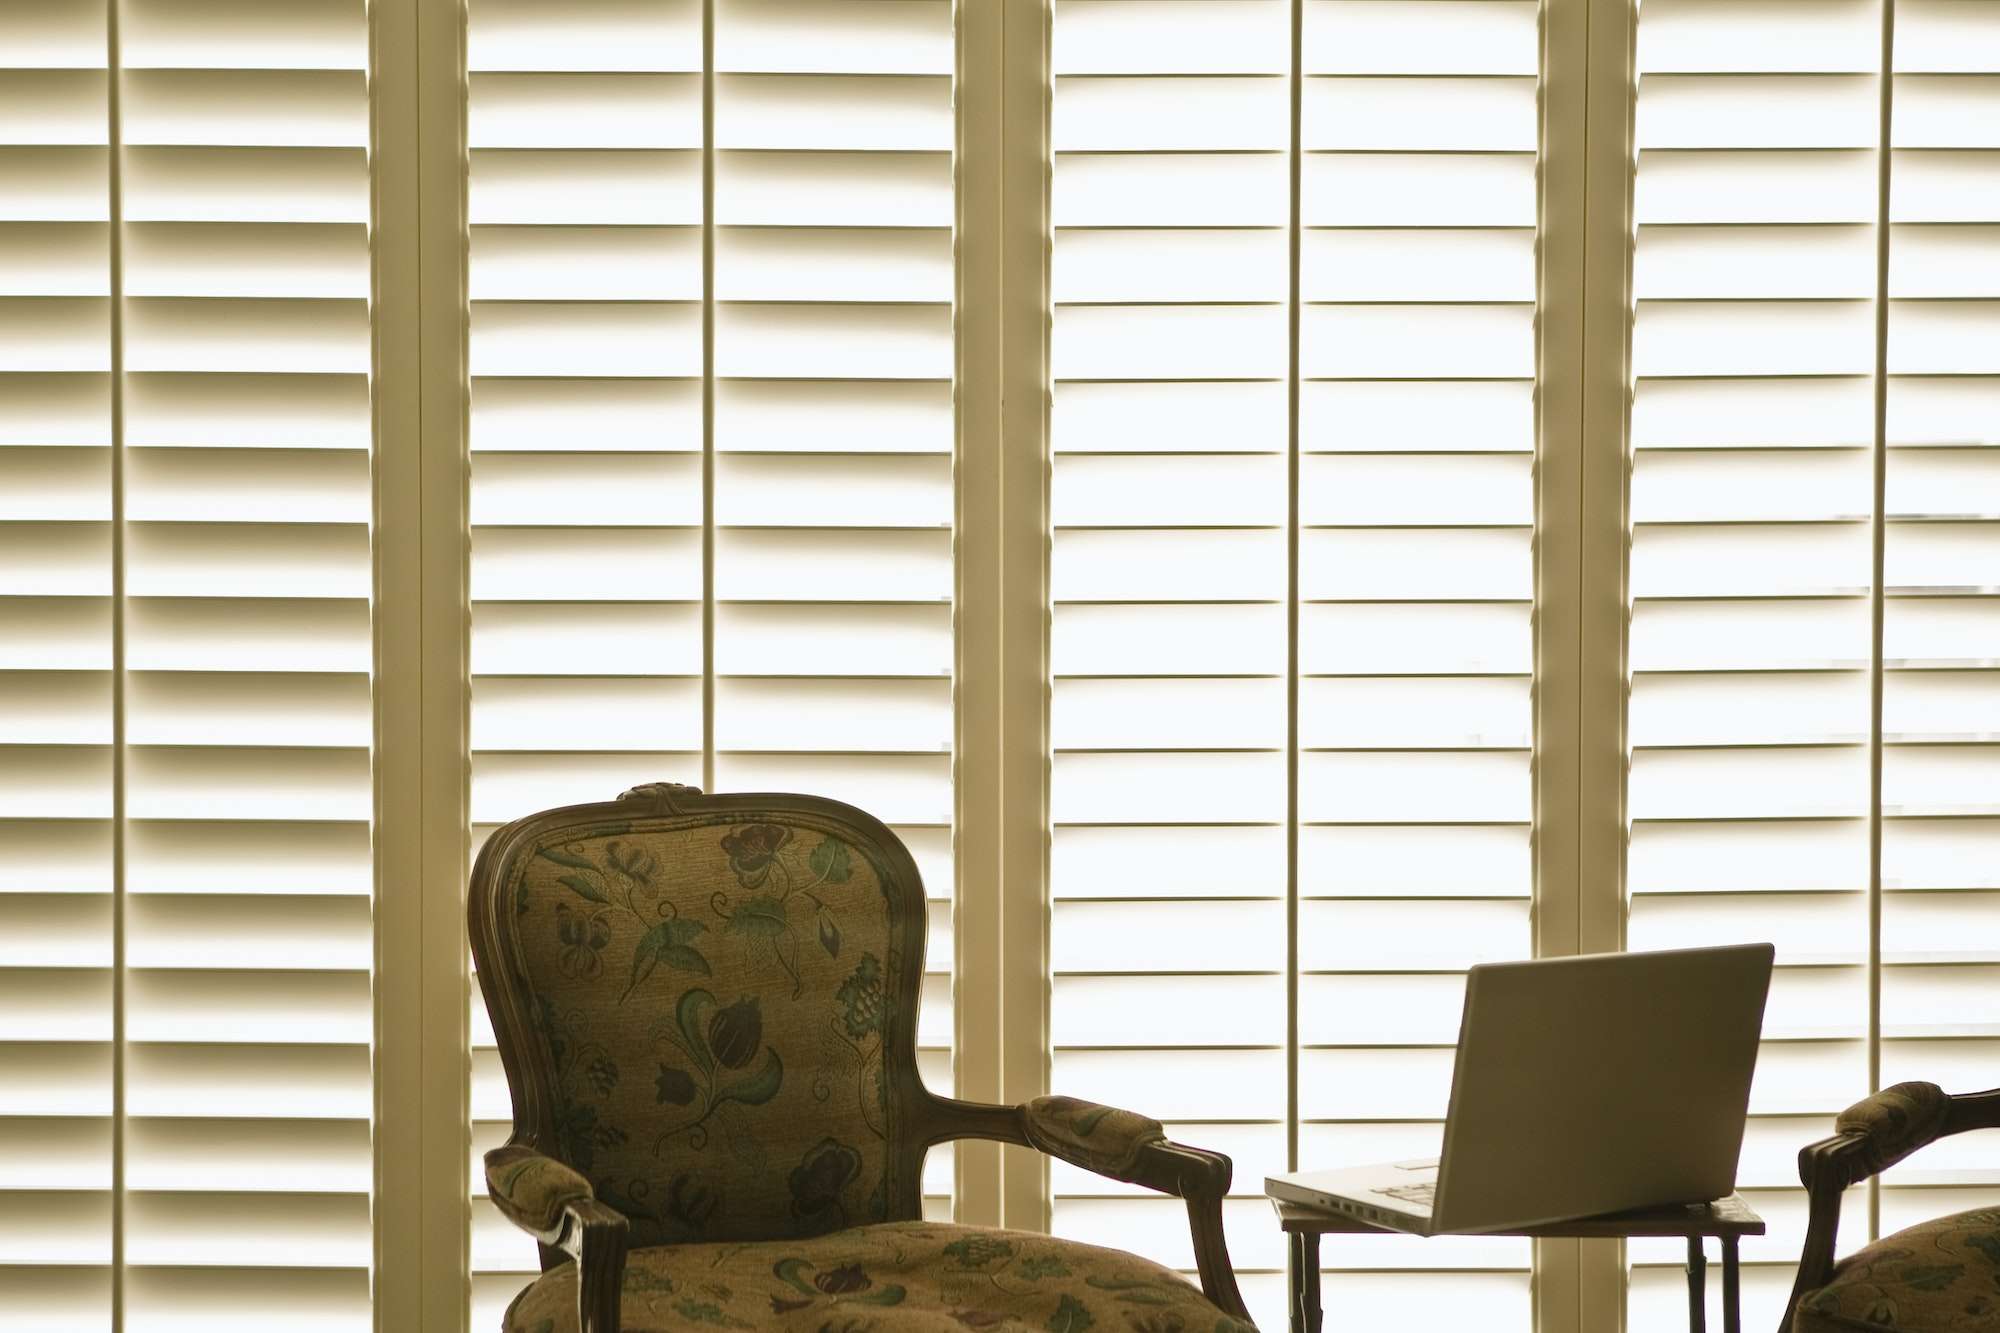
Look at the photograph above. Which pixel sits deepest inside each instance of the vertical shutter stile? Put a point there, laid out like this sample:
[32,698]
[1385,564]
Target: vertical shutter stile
[1170,133]
[1754,438]
[585,360]
[247,437]
[245,569]
[1941,644]
[1751,503]
[1417,440]
[1172,498]
[833,428]
[56,877]
[819,624]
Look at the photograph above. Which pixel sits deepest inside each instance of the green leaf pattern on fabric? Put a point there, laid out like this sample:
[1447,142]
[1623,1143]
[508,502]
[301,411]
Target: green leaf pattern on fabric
[697,1031]
[1071,1316]
[979,1251]
[1100,1138]
[761,915]
[896,1277]
[667,942]
[713,996]
[830,861]
[623,880]
[532,1190]
[584,887]
[1941,1276]
[763,858]
[563,857]
[862,1007]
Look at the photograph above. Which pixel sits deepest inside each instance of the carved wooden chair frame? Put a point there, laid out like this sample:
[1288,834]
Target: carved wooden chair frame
[1873,1135]
[595,1235]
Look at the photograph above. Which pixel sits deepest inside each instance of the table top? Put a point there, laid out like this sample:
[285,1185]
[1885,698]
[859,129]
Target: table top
[1724,1217]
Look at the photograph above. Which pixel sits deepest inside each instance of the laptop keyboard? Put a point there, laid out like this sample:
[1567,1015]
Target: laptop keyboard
[1423,1194]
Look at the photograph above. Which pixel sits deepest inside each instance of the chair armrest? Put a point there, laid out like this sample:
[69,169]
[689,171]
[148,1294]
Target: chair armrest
[1120,1145]
[1100,1139]
[1869,1137]
[1890,1125]
[557,1206]
[532,1190]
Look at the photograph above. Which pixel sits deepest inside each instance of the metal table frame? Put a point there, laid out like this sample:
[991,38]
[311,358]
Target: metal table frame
[1727,1219]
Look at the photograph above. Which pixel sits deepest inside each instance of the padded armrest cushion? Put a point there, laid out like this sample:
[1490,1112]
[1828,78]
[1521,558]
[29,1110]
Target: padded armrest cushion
[1097,1138]
[531,1190]
[1896,1121]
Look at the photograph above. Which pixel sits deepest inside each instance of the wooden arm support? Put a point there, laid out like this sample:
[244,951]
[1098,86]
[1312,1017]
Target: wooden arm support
[555,1204]
[594,1235]
[1195,1175]
[1201,1179]
[1873,1135]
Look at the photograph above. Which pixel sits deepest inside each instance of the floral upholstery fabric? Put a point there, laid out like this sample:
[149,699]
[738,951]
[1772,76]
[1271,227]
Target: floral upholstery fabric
[897,1277]
[714,996]
[1897,1120]
[1940,1277]
[531,1190]
[1098,1138]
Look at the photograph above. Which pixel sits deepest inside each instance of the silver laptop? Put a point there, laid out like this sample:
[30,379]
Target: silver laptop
[1584,1085]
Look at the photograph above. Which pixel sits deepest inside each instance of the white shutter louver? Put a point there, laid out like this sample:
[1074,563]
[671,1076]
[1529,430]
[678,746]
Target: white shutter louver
[585,281]
[1749,651]
[826,417]
[1171,355]
[56,881]
[1168,576]
[244,451]
[1752,576]
[1416,505]
[833,428]
[1941,644]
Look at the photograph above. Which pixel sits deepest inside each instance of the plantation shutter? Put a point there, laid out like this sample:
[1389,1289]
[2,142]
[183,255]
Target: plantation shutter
[711,499]
[232,192]
[56,888]
[1751,428]
[1753,580]
[1941,688]
[1416,580]
[1168,575]
[833,429]
[585,280]
[1175,602]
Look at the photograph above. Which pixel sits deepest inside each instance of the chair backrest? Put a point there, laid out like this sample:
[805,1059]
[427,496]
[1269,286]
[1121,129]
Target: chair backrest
[707,1006]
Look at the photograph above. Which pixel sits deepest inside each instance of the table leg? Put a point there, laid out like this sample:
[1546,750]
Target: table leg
[1697,1270]
[1306,1314]
[1295,1245]
[1732,1293]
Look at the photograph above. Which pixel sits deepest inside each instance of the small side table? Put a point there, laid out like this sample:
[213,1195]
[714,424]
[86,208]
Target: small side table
[1728,1219]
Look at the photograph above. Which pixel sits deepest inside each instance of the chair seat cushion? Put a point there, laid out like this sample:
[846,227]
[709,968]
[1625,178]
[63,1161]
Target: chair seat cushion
[892,1277]
[1942,1276]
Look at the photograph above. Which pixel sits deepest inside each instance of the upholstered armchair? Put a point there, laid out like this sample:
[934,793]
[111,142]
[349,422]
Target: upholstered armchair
[1941,1276]
[706,1007]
